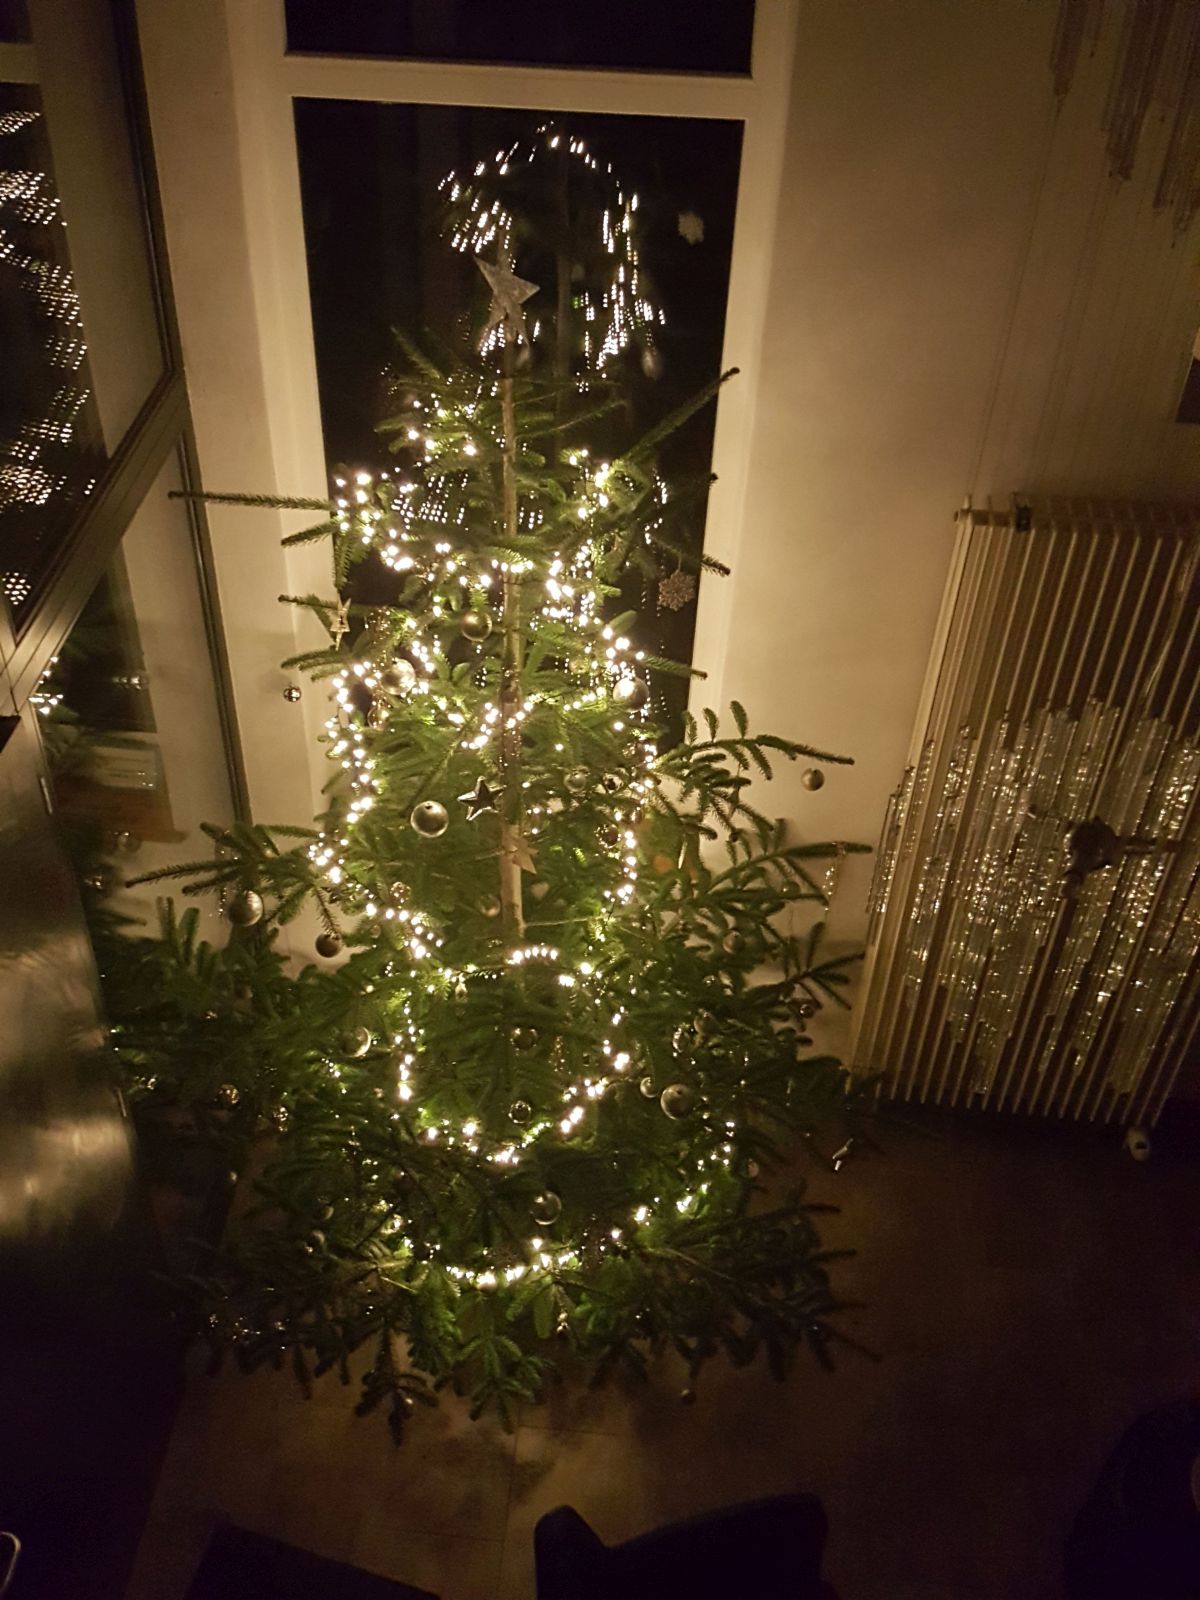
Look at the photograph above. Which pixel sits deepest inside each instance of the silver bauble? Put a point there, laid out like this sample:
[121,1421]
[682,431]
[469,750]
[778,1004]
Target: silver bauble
[245,909]
[357,1042]
[520,1111]
[677,1099]
[490,906]
[578,781]
[812,778]
[291,693]
[647,1088]
[398,678]
[228,1094]
[329,944]
[733,943]
[546,1208]
[631,693]
[398,893]
[430,819]
[475,625]
[806,1008]
[524,1038]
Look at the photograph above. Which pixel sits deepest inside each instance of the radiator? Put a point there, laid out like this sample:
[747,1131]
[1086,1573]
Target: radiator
[1034,915]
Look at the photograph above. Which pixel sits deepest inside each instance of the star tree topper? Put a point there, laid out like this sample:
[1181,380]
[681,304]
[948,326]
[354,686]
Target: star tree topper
[509,294]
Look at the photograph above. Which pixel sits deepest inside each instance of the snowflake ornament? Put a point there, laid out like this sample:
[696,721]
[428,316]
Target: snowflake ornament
[676,589]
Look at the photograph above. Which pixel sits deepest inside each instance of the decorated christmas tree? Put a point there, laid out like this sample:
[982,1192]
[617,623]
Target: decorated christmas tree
[523,1111]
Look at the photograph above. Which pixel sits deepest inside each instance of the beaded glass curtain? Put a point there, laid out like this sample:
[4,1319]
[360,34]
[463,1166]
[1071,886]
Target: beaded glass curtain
[1035,933]
[1156,67]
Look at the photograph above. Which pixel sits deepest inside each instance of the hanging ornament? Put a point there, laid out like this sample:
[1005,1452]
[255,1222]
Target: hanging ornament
[524,1038]
[609,835]
[812,778]
[430,819]
[478,800]
[807,1007]
[397,679]
[357,1042]
[329,944]
[398,893]
[292,693]
[245,909]
[677,1099]
[475,625]
[509,294]
[379,713]
[705,1024]
[647,1088]
[546,1208]
[520,1111]
[489,906]
[523,854]
[676,590]
[733,943]
[611,782]
[578,781]
[228,1094]
[681,1040]
[631,692]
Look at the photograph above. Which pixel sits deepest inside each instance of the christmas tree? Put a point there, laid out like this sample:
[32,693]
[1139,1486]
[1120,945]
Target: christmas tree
[523,1109]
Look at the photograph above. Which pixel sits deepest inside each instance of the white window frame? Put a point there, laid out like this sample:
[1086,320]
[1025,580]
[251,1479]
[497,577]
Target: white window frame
[220,86]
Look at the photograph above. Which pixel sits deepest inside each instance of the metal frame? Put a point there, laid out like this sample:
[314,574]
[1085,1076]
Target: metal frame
[162,427]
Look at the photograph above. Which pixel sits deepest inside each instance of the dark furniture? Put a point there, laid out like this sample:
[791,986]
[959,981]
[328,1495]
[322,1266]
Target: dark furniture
[1137,1536]
[770,1549]
[247,1566]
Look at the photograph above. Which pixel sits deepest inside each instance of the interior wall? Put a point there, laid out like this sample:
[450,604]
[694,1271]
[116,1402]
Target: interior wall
[962,303]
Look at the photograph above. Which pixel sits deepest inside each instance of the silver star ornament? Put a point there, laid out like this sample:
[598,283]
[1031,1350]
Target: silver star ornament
[509,294]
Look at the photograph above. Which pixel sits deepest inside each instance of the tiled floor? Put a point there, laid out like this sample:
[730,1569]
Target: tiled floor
[1031,1290]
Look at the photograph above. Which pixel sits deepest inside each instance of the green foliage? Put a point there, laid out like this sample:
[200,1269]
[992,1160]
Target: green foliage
[460,1162]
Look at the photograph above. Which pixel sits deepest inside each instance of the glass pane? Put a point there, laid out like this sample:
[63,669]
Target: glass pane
[51,449]
[381,231]
[129,715]
[14,22]
[665,36]
[79,309]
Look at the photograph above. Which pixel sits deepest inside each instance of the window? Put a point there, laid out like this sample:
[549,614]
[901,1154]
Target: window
[655,35]
[380,233]
[79,313]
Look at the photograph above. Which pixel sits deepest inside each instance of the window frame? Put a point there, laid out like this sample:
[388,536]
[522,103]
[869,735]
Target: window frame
[247,130]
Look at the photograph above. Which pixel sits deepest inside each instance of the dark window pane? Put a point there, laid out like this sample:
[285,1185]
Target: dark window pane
[80,328]
[50,445]
[380,228]
[648,35]
[14,22]
[130,715]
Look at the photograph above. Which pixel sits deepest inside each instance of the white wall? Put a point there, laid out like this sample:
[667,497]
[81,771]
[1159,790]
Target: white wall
[961,303]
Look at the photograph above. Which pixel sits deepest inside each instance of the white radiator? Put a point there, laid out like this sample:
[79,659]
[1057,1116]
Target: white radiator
[1006,966]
